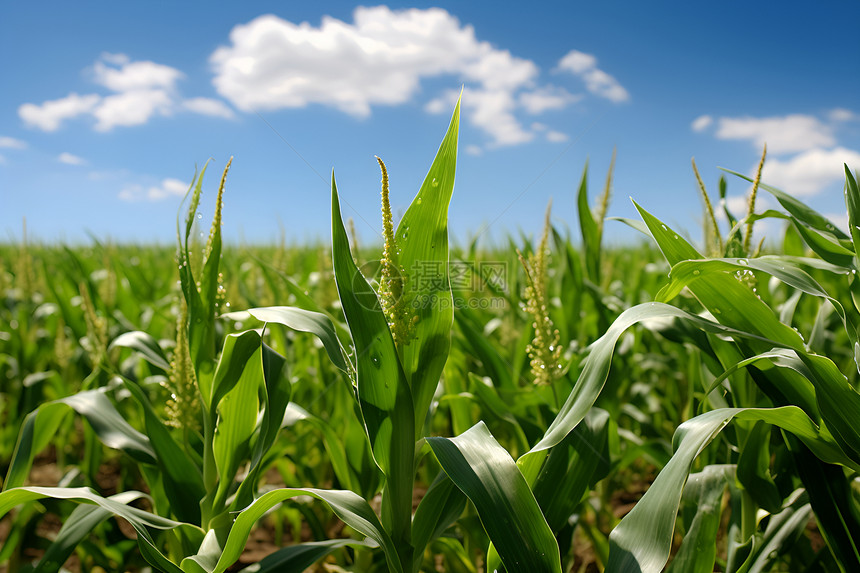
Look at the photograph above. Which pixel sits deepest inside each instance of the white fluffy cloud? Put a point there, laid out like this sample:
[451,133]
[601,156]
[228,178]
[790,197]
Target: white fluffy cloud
[810,172]
[381,59]
[596,80]
[783,134]
[12,143]
[702,123]
[70,159]
[547,98]
[118,73]
[141,91]
[167,188]
[51,114]
[208,106]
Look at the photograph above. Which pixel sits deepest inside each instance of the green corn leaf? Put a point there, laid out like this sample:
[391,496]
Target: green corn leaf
[852,201]
[78,526]
[383,391]
[441,506]
[237,420]
[352,509]
[596,370]
[782,532]
[41,425]
[754,468]
[146,345]
[298,558]
[824,246]
[704,492]
[337,454]
[487,474]
[139,519]
[590,230]
[643,539]
[685,272]
[276,398]
[798,209]
[238,349]
[573,467]
[422,236]
[301,320]
[183,481]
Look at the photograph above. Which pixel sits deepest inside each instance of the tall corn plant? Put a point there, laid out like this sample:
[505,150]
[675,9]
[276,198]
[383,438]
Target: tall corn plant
[789,386]
[227,402]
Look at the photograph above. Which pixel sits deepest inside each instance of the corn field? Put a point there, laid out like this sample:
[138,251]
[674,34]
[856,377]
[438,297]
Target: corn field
[547,405]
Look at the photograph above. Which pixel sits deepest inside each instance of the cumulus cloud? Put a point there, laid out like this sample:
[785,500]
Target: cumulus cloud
[783,134]
[810,172]
[49,115]
[840,115]
[381,59]
[119,74]
[547,98]
[702,123]
[70,159]
[208,106]
[556,136]
[167,188]
[141,91]
[12,143]
[596,80]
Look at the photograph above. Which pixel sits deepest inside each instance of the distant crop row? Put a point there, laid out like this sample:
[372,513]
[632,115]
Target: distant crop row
[549,405]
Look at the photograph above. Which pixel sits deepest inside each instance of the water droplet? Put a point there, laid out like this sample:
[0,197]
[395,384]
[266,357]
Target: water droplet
[199,215]
[664,227]
[418,200]
[434,182]
[717,311]
[676,237]
[743,262]
[697,272]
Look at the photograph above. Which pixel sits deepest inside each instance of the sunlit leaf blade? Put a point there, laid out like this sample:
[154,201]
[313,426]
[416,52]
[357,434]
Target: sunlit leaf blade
[589,228]
[146,345]
[422,237]
[139,519]
[704,491]
[295,413]
[238,349]
[487,474]
[596,369]
[753,469]
[183,482]
[352,509]
[574,465]
[76,527]
[852,201]
[798,209]
[40,426]
[685,272]
[440,507]
[383,391]
[301,320]
[276,398]
[237,418]
[298,558]
[643,539]
[723,295]
[782,532]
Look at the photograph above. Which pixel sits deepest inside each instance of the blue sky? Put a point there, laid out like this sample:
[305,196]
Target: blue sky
[106,109]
